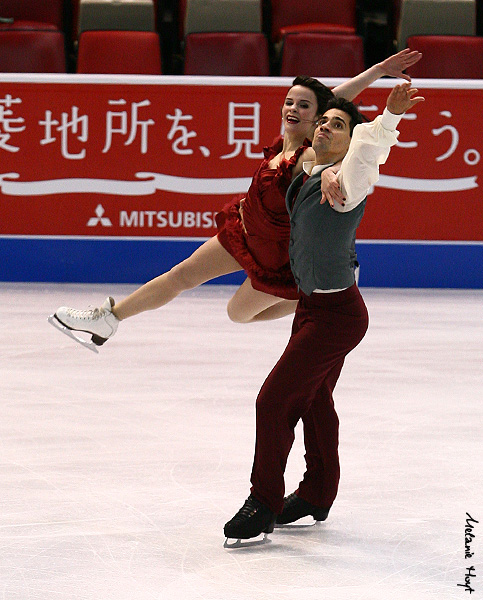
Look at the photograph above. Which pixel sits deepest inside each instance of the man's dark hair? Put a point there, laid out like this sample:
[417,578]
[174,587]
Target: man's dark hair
[321,91]
[348,107]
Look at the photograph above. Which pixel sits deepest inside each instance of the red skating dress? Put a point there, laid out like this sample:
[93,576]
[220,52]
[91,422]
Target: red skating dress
[263,250]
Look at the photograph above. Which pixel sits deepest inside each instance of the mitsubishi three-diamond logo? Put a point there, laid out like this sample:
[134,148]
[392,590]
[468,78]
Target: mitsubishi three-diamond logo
[104,221]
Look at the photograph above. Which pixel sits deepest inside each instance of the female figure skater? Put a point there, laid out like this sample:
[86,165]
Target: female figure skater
[253,234]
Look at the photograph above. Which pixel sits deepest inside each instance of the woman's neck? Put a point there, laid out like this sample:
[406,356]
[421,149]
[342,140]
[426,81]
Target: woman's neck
[291,143]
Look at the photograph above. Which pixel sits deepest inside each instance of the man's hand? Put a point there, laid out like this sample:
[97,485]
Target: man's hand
[329,185]
[396,64]
[402,99]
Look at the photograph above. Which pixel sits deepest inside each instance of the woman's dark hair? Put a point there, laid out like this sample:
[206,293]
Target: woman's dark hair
[321,91]
[349,108]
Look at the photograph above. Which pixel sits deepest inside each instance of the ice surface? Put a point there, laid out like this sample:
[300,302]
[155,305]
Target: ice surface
[119,470]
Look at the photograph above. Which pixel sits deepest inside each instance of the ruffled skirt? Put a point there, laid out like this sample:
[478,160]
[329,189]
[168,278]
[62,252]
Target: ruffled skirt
[265,261]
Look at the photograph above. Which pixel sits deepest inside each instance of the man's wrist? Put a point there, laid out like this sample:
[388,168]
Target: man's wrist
[389,120]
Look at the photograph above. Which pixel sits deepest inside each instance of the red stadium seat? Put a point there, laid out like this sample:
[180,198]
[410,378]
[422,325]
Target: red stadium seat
[448,56]
[119,52]
[322,55]
[31,51]
[226,54]
[317,16]
[41,11]
[27,26]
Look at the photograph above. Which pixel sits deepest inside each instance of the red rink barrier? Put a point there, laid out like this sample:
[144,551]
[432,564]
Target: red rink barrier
[140,158]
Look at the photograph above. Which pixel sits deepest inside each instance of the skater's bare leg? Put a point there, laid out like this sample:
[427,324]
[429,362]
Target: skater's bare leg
[249,305]
[209,261]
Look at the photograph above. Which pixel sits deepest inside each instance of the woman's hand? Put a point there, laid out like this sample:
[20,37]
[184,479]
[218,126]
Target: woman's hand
[240,212]
[329,186]
[397,63]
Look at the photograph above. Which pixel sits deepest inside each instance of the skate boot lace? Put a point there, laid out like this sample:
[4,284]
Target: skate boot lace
[91,314]
[248,509]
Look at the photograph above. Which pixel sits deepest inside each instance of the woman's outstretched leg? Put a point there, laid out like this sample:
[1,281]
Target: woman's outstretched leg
[249,305]
[209,261]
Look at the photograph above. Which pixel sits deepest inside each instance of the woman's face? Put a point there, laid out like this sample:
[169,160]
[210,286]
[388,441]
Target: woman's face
[299,111]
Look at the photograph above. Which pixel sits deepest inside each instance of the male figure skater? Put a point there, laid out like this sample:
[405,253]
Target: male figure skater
[330,320]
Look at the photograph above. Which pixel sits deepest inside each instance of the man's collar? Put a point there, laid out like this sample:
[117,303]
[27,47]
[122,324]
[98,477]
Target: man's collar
[310,168]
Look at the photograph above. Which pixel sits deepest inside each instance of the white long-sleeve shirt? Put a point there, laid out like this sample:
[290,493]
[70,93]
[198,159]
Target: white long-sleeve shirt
[369,148]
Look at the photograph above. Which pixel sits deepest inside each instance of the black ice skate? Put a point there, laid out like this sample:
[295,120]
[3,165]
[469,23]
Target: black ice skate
[295,508]
[253,519]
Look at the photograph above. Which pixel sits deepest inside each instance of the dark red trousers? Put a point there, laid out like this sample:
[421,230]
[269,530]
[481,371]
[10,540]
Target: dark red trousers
[326,328]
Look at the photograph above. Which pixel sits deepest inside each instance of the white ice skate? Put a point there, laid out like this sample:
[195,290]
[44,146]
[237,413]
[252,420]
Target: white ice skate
[100,323]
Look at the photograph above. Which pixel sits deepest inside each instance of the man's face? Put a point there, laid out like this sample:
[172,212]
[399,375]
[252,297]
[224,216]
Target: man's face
[332,134]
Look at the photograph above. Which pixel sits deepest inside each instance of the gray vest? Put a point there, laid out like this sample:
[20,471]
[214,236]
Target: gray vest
[322,240]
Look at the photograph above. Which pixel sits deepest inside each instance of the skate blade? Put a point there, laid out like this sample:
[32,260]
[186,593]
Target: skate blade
[238,543]
[300,524]
[54,321]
